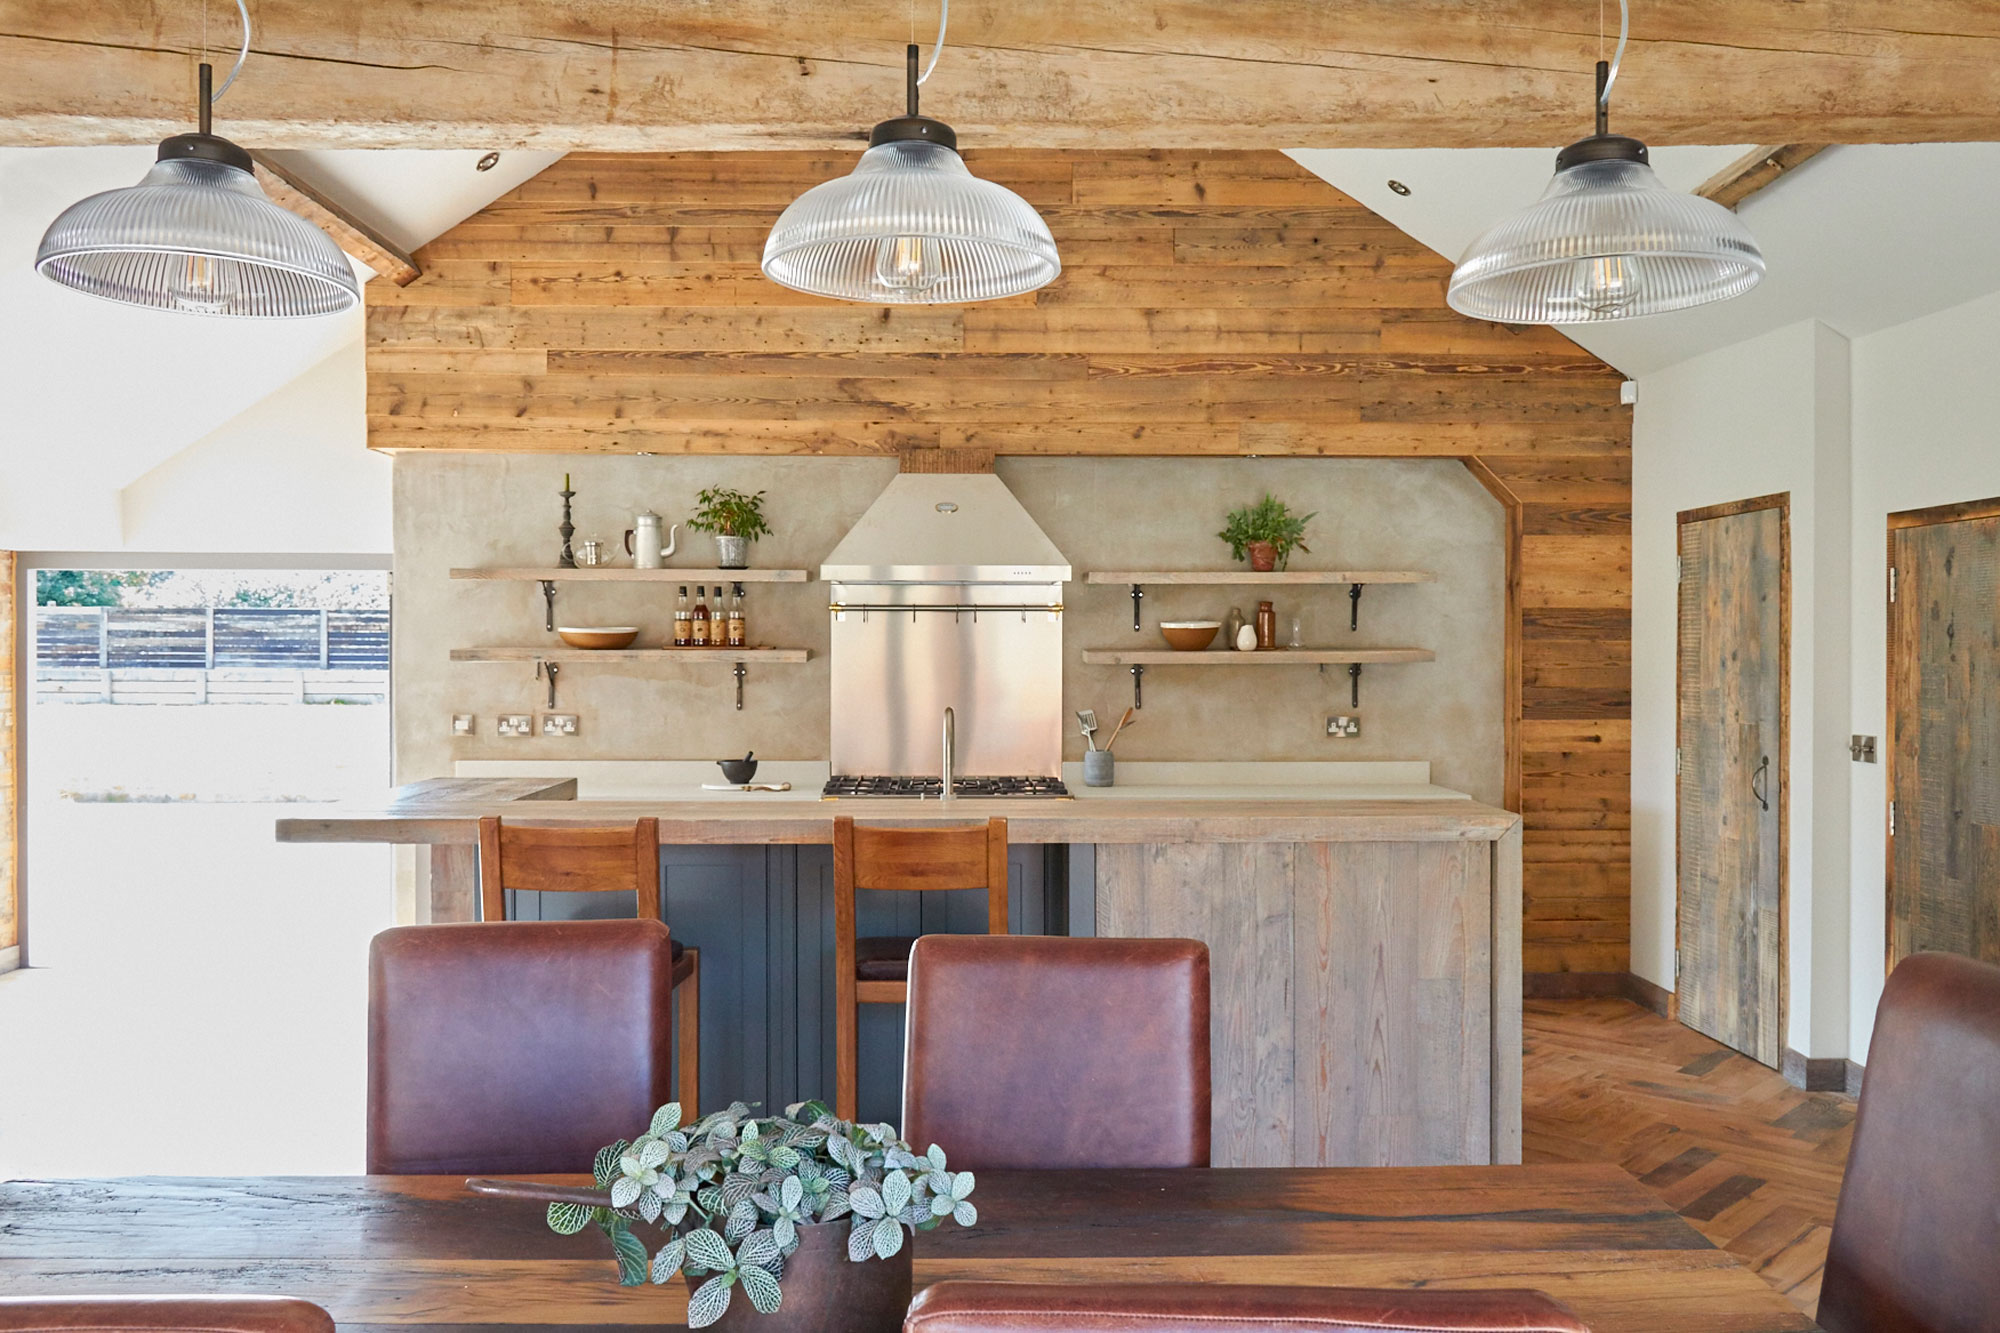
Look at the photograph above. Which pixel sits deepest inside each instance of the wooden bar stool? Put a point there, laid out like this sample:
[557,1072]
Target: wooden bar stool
[596,860]
[876,970]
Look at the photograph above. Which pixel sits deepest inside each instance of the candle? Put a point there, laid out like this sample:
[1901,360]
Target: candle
[565,481]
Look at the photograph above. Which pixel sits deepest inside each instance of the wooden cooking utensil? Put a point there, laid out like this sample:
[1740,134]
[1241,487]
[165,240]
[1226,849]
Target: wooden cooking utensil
[1120,727]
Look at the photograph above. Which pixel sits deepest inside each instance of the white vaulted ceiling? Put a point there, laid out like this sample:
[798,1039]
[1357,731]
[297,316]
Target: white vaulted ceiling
[1859,237]
[98,394]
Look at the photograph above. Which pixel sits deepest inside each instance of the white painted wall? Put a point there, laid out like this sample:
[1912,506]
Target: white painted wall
[1926,432]
[1765,416]
[293,473]
[1904,418]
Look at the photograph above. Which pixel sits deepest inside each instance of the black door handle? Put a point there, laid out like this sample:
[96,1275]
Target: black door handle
[1757,778]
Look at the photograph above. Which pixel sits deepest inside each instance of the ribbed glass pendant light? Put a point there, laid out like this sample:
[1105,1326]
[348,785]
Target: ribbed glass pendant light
[1607,240]
[198,234]
[911,225]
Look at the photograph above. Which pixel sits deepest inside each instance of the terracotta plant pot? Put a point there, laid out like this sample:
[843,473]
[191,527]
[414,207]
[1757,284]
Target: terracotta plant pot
[1263,556]
[823,1289]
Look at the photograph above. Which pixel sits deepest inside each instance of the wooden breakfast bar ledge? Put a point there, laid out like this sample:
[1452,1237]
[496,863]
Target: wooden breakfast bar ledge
[1365,954]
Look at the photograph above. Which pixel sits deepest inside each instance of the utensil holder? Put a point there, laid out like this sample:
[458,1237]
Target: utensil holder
[1097,770]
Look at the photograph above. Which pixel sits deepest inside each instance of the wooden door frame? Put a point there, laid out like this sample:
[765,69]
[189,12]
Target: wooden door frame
[1782,502]
[1929,517]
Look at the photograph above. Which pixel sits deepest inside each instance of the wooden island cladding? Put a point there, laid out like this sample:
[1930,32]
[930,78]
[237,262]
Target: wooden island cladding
[1212,303]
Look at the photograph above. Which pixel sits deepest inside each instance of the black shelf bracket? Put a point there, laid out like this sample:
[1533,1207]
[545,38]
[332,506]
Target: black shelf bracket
[1138,697]
[551,670]
[1354,685]
[1354,607]
[1138,595]
[549,599]
[740,672]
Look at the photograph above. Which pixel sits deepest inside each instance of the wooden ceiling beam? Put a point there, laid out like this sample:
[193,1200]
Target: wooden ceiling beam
[656,75]
[350,233]
[1756,170]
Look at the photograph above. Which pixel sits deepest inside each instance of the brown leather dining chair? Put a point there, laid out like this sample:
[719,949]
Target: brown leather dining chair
[514,1047]
[1173,1307]
[161,1314]
[1916,1236]
[1100,1044]
[595,860]
[876,969]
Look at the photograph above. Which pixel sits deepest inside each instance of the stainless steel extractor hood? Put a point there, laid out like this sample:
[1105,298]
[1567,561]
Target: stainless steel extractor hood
[946,527]
[946,595]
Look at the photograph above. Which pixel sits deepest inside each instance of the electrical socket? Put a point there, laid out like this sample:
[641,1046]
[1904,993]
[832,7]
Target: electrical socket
[461,724]
[1343,726]
[559,724]
[515,724]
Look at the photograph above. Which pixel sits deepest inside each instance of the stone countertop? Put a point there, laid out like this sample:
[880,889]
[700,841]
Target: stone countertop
[447,811]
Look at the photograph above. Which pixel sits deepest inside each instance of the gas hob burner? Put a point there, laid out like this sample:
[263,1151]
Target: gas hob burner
[931,789]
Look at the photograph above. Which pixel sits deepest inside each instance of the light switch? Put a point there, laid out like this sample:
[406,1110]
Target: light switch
[1863,749]
[461,724]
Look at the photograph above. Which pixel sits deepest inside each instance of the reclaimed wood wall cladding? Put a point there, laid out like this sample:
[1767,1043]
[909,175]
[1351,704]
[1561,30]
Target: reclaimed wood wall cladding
[1212,303]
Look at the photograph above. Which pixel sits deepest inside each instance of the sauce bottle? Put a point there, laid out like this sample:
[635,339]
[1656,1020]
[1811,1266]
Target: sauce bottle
[698,626]
[1267,627]
[735,631]
[682,620]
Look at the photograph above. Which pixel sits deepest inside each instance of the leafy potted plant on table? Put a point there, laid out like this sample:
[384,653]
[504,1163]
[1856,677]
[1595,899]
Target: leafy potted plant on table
[802,1214]
[735,519]
[1267,532]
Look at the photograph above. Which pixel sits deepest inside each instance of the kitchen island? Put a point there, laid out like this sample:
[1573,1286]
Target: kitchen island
[1365,953]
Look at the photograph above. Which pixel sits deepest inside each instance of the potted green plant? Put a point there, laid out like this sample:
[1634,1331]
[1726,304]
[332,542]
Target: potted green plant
[1267,532]
[735,520]
[804,1213]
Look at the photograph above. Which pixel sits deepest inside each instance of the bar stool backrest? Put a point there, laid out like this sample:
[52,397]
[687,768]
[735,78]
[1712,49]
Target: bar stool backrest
[546,859]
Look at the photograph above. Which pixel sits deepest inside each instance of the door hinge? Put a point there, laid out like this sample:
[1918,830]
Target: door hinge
[1677,961]
[1892,819]
[1892,583]
[1677,761]
[1680,568]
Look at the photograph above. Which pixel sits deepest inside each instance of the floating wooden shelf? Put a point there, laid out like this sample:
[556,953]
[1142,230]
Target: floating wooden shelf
[1136,661]
[1250,576]
[1268,658]
[558,653]
[626,574]
[550,576]
[559,650]
[1355,579]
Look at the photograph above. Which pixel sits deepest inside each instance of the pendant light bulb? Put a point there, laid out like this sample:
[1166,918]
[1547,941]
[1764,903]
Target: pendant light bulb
[1607,240]
[198,235]
[903,263]
[911,225]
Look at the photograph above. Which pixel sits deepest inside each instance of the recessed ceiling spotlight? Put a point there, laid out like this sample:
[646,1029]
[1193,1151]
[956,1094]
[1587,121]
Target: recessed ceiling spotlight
[487,163]
[1399,188]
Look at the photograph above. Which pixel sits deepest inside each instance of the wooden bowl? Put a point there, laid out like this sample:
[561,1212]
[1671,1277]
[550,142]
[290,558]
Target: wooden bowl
[1189,636]
[598,636]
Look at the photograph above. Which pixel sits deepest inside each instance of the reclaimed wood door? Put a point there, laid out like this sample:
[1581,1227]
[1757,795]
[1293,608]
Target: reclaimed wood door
[1944,720]
[1731,789]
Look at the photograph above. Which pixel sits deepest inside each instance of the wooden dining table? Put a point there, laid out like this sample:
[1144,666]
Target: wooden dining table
[387,1253]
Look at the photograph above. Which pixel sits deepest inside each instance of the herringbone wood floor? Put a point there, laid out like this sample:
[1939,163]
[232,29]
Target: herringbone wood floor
[1753,1163]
